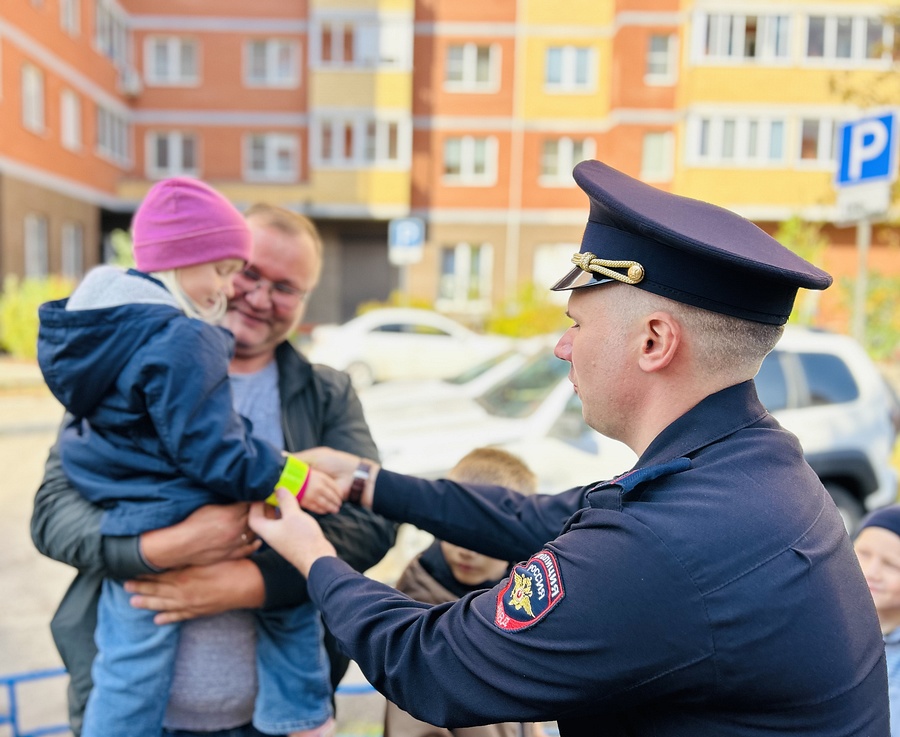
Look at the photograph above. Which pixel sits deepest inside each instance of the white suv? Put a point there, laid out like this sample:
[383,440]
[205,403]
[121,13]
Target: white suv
[825,389]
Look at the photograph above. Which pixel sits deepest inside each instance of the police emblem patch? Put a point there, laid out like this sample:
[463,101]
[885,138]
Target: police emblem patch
[532,591]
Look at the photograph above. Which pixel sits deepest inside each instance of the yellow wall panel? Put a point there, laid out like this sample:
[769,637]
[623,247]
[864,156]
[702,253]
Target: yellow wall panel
[355,187]
[773,86]
[753,187]
[574,12]
[348,89]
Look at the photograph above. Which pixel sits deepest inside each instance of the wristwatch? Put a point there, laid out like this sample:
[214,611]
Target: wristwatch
[360,478]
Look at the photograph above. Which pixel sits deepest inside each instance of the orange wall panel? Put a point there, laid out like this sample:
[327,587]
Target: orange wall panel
[629,61]
[219,8]
[473,11]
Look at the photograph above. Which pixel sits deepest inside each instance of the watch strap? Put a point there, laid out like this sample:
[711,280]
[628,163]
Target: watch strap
[360,477]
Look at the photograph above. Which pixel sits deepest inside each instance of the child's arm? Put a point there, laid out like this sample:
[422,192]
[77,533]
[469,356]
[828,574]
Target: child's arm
[316,491]
[322,495]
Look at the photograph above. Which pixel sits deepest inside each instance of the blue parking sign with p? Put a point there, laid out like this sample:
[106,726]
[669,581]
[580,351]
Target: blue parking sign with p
[867,150]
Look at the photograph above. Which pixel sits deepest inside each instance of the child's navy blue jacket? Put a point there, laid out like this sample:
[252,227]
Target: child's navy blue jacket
[154,434]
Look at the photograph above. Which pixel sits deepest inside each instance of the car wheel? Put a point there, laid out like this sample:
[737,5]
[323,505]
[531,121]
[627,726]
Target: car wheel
[848,505]
[360,374]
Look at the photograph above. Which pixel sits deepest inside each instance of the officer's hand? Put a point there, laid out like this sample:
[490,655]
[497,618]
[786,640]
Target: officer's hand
[295,534]
[210,534]
[199,591]
[341,467]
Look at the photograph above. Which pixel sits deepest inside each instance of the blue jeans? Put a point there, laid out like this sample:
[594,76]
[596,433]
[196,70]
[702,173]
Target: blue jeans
[133,669]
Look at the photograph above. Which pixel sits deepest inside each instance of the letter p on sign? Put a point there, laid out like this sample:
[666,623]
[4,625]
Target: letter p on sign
[867,151]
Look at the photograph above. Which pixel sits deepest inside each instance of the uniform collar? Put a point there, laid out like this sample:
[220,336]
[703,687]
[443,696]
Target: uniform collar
[714,418]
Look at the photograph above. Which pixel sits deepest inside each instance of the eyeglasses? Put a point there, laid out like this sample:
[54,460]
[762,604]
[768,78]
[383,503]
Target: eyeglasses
[283,295]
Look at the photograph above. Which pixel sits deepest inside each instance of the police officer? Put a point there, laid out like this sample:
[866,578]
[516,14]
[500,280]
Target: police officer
[709,591]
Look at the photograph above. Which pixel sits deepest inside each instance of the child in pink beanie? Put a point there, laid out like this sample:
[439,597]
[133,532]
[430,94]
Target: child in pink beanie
[138,362]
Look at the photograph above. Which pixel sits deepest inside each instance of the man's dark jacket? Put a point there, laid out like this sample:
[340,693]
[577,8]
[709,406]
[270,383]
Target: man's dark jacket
[319,407]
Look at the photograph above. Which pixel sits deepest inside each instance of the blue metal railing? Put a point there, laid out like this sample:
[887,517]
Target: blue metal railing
[11,718]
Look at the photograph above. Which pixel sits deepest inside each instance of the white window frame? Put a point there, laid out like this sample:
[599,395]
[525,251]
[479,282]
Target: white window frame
[175,74]
[37,246]
[374,42]
[721,38]
[72,250]
[175,140]
[459,283]
[565,159]
[274,144]
[70,128]
[737,140]
[568,82]
[469,81]
[33,98]
[858,52]
[379,142]
[113,137]
[548,261]
[661,168]
[826,143]
[110,32]
[272,48]
[467,175]
[666,58]
[70,17]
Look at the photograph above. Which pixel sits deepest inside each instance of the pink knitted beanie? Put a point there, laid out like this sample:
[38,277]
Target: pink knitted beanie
[183,222]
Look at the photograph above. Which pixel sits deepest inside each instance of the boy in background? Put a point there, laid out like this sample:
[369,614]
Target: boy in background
[445,572]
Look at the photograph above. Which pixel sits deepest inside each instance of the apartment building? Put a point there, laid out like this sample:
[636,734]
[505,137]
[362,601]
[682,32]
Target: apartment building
[465,113]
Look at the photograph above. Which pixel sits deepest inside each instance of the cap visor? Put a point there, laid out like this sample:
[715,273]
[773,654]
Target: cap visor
[578,278]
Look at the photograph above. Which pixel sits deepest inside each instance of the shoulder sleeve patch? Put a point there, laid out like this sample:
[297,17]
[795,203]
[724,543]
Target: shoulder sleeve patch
[533,589]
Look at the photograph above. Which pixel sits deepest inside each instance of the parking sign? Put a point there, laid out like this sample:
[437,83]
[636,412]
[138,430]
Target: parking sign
[406,239]
[867,151]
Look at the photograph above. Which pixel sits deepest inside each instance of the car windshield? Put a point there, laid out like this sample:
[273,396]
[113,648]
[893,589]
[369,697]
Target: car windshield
[520,394]
[470,374]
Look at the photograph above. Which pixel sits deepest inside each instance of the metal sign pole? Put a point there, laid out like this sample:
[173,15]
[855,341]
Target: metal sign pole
[863,241]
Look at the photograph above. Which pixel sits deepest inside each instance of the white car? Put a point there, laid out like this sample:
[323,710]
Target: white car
[401,343]
[532,412]
[825,389]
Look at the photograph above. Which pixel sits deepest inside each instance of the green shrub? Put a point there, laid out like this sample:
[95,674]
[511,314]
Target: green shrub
[19,304]
[531,312]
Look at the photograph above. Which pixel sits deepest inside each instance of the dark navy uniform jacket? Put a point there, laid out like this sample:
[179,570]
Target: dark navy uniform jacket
[711,591]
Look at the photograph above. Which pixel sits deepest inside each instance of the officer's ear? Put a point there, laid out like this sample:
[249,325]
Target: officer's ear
[661,335]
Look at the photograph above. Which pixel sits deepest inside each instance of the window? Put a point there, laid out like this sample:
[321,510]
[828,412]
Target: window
[739,141]
[847,38]
[170,60]
[551,259]
[569,69]
[112,136]
[817,142]
[729,36]
[657,157]
[70,16]
[70,123]
[72,250]
[110,33]
[36,247]
[271,157]
[559,156]
[661,60]
[470,161]
[32,98]
[171,154]
[367,43]
[382,141]
[272,63]
[472,68]
[360,141]
[466,275]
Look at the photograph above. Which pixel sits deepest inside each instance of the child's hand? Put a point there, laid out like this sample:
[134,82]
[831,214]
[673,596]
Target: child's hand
[322,495]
